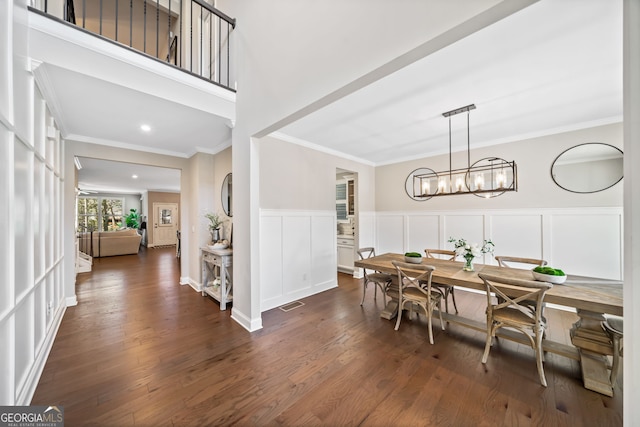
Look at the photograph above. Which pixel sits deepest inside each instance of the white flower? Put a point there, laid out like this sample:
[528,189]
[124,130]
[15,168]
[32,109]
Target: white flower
[464,249]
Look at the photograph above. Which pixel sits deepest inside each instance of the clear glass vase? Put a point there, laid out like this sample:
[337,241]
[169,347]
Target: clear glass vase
[468,264]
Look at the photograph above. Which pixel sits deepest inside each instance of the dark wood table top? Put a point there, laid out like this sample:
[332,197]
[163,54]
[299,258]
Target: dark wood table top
[585,293]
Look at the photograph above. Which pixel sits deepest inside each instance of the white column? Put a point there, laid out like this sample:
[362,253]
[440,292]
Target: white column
[631,89]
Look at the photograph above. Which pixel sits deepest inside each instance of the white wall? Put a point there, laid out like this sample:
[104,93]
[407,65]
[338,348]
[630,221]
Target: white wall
[32,299]
[631,210]
[298,229]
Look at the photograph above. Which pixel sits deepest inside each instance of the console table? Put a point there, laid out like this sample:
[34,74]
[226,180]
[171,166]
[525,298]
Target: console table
[216,280]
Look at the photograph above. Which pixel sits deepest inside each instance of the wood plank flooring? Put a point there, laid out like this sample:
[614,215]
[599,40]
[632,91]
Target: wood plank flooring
[141,350]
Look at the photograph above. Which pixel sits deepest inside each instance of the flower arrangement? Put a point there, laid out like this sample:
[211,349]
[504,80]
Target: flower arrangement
[215,221]
[471,250]
[214,226]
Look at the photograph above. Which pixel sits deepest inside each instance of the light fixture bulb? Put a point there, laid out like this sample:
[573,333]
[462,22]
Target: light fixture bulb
[145,128]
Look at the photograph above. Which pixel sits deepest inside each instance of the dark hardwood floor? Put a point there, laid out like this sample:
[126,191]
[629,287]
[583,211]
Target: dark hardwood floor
[141,350]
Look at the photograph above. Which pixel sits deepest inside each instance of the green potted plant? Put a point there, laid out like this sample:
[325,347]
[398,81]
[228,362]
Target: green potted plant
[413,257]
[132,219]
[549,274]
[214,226]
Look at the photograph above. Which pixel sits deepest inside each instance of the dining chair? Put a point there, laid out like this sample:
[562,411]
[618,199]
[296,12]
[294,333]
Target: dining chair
[509,261]
[516,262]
[511,311]
[380,280]
[416,290]
[446,290]
[613,326]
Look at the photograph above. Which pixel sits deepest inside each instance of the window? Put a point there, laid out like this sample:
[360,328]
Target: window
[100,213]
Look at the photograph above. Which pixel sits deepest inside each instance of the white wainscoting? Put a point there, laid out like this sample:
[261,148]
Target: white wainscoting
[582,241]
[299,259]
[297,255]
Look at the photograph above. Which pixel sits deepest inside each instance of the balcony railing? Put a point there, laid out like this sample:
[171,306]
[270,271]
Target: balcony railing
[189,34]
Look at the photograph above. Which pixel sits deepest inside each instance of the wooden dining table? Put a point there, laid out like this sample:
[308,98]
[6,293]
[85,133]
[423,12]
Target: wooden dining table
[591,297]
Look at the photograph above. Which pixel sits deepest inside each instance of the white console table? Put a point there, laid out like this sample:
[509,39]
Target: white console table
[216,280]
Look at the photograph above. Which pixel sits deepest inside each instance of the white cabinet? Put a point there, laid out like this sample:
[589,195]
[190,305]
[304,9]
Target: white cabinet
[345,254]
[345,199]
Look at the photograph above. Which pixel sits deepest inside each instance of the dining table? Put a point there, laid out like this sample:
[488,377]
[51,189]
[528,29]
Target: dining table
[591,298]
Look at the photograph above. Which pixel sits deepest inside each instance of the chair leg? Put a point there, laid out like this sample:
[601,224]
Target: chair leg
[429,312]
[446,300]
[382,291]
[539,334]
[487,346]
[400,308]
[440,313]
[453,298]
[364,291]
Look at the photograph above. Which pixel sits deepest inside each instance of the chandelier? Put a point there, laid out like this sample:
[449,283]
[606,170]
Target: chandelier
[488,177]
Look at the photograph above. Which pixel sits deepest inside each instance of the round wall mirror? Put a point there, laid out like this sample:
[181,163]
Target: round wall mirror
[588,168]
[226,195]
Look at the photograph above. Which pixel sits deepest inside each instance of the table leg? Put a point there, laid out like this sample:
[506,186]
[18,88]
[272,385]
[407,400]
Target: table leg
[391,309]
[594,346]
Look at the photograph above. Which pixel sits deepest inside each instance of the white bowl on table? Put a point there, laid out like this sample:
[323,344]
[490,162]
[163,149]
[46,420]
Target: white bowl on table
[219,245]
[413,259]
[556,280]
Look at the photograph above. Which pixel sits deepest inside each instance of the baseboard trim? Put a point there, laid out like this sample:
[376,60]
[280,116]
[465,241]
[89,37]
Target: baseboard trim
[26,394]
[250,325]
[299,294]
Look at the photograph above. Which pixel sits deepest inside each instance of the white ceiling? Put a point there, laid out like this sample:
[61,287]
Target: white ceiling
[106,176]
[113,114]
[552,67]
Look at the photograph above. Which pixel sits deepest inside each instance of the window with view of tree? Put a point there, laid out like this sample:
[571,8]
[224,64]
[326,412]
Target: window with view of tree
[100,213]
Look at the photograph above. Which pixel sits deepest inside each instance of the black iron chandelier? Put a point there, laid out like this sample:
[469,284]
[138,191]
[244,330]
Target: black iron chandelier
[488,177]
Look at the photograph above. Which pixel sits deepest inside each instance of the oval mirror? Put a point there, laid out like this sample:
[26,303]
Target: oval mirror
[226,195]
[588,168]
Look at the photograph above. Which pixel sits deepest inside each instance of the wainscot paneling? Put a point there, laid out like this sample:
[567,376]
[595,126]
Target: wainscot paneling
[424,232]
[366,229]
[582,241]
[527,230]
[390,233]
[590,243]
[298,255]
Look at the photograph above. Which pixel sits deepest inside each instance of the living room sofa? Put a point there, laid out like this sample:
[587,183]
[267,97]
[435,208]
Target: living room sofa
[111,243]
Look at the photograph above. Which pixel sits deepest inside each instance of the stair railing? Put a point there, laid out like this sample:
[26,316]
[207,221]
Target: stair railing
[189,34]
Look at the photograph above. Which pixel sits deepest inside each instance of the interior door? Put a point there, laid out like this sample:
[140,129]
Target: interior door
[165,223]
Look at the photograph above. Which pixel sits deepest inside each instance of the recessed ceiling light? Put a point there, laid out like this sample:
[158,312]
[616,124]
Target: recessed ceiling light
[134,176]
[145,128]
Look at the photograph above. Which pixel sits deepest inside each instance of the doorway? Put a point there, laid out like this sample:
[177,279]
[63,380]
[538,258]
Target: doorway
[347,219]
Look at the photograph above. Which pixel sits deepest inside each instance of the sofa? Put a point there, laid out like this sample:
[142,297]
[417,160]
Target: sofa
[110,243]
